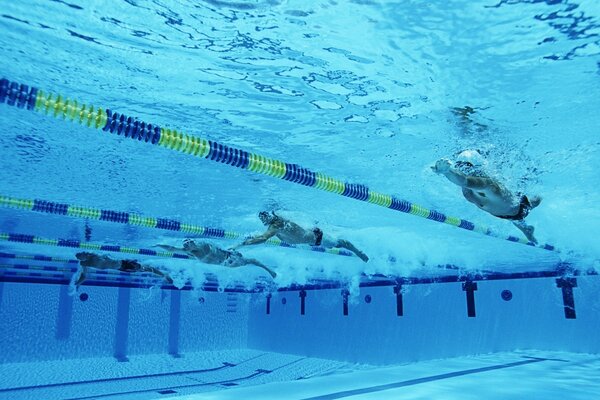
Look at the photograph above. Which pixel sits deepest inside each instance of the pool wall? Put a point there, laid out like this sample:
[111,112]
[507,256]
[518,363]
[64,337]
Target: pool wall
[434,323]
[42,322]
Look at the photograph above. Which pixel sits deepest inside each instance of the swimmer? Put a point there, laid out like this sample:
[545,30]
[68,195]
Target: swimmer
[292,233]
[211,254]
[91,260]
[487,193]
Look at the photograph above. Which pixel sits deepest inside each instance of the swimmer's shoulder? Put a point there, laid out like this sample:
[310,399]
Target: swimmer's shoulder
[278,222]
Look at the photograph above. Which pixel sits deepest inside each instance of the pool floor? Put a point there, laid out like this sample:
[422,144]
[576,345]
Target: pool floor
[530,375]
[253,374]
[156,376]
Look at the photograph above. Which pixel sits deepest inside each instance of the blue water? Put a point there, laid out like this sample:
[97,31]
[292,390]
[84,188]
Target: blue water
[363,91]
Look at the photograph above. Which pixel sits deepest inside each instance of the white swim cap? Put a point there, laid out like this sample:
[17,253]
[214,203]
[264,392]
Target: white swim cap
[470,156]
[470,162]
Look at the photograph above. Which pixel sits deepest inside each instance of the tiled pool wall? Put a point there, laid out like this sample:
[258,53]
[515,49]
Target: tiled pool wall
[42,322]
[508,315]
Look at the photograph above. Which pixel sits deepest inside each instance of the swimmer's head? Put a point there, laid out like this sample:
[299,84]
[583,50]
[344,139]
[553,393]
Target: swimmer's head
[470,162]
[463,164]
[266,217]
[188,244]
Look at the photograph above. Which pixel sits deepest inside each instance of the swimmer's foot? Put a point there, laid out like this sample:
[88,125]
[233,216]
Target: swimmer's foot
[527,230]
[530,236]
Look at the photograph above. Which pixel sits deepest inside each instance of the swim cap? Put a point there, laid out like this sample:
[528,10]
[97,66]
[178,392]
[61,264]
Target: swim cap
[473,157]
[470,161]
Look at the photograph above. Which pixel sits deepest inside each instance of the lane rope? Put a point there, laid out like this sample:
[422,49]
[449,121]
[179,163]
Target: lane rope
[58,106]
[38,257]
[76,244]
[122,217]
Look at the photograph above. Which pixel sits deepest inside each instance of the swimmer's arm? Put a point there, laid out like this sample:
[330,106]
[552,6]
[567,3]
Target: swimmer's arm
[444,167]
[81,277]
[261,265]
[169,248]
[469,182]
[260,238]
[254,261]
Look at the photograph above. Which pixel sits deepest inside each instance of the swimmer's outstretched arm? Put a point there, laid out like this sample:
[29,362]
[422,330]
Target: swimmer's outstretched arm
[77,279]
[459,178]
[81,277]
[252,261]
[169,248]
[261,265]
[259,239]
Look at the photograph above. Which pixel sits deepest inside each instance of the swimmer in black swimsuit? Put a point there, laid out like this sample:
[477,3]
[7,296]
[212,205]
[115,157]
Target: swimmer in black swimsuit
[292,233]
[211,254]
[91,260]
[489,194]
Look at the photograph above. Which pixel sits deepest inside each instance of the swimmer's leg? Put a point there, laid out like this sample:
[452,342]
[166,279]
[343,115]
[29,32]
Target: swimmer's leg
[526,229]
[344,244]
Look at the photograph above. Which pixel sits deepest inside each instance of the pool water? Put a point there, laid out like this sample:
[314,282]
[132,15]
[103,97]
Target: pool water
[331,114]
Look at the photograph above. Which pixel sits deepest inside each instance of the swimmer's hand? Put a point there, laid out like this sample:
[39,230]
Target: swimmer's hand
[442,166]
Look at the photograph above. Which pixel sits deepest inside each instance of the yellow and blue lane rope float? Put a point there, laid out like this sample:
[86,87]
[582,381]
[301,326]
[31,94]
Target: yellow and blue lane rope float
[58,272]
[26,273]
[27,267]
[76,244]
[122,217]
[38,257]
[63,260]
[23,96]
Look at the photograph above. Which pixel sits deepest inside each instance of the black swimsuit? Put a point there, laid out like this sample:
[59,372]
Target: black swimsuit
[318,236]
[524,208]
